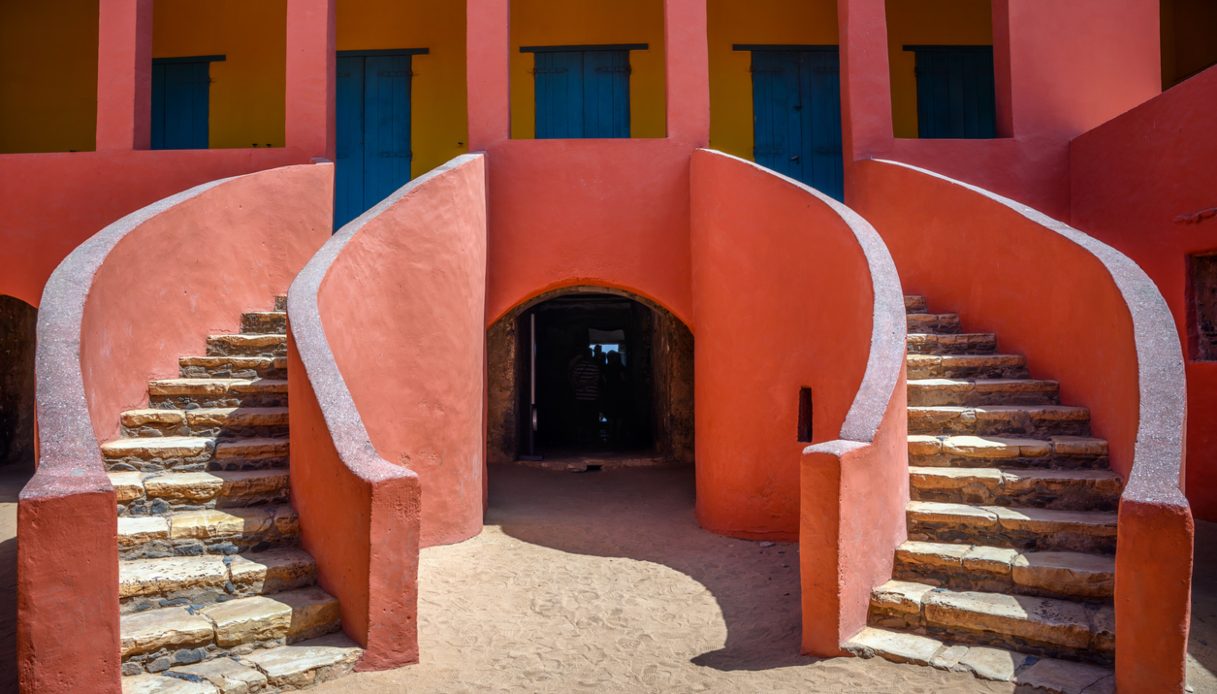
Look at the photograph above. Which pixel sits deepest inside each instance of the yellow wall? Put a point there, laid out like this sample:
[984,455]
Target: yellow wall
[48,75]
[1188,44]
[933,22]
[438,114]
[796,22]
[585,22]
[247,89]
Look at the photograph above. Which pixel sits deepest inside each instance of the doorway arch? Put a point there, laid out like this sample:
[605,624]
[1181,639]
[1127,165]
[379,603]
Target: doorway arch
[655,347]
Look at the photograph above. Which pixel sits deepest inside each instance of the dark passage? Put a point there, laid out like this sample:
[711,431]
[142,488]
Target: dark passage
[18,321]
[611,375]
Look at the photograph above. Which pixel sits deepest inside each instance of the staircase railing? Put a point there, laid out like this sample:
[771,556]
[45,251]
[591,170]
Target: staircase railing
[1086,314]
[361,514]
[118,310]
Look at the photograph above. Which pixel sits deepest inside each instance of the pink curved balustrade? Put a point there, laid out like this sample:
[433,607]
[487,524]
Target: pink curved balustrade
[1087,315]
[387,393]
[792,289]
[117,312]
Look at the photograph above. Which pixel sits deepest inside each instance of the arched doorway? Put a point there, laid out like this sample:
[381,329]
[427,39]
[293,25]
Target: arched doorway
[18,321]
[590,371]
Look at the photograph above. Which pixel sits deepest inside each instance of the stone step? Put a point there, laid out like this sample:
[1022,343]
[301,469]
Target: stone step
[206,421]
[279,669]
[967,366]
[233,367]
[193,454]
[190,393]
[993,451]
[1035,529]
[937,323]
[959,343]
[1071,575]
[210,578]
[143,494]
[264,323]
[914,304]
[1046,675]
[1026,624]
[931,392]
[1034,421]
[1073,490]
[208,531]
[154,639]
[247,346]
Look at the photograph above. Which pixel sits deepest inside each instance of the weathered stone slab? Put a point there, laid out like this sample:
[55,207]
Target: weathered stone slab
[900,597]
[170,575]
[306,663]
[136,530]
[157,448]
[184,487]
[272,570]
[157,684]
[900,647]
[1041,621]
[314,612]
[170,627]
[1063,677]
[1066,573]
[128,486]
[226,675]
[995,664]
[249,620]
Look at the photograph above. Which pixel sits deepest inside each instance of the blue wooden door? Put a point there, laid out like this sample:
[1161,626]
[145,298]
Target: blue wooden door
[956,97]
[797,116]
[582,94]
[373,132]
[181,102]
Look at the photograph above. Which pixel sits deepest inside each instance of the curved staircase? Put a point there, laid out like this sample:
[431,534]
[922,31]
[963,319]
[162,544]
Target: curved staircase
[215,594]
[1009,569]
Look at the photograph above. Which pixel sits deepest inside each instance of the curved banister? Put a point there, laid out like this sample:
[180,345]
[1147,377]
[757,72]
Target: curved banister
[1122,350]
[360,513]
[116,312]
[1155,474]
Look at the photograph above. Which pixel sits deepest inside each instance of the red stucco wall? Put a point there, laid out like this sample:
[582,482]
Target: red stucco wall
[404,308]
[117,312]
[1132,178]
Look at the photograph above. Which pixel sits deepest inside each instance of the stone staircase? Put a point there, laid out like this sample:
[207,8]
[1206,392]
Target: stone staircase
[215,594]
[1009,569]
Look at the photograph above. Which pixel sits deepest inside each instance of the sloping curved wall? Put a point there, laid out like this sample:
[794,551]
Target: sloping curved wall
[792,289]
[117,312]
[1137,181]
[1087,315]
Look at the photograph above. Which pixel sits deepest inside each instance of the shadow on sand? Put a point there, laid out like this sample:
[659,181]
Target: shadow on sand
[647,514]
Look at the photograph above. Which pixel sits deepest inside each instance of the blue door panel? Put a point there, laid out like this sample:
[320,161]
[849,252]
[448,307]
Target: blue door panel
[956,97]
[606,94]
[559,94]
[348,174]
[180,104]
[386,126]
[374,154]
[797,116]
[582,94]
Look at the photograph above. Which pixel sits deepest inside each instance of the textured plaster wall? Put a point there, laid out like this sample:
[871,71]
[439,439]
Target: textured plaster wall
[547,23]
[48,75]
[247,89]
[731,22]
[438,113]
[1132,178]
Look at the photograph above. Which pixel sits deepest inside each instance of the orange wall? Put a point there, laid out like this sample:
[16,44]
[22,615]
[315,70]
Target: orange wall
[404,310]
[765,254]
[438,110]
[578,22]
[1131,179]
[48,75]
[933,22]
[756,22]
[248,87]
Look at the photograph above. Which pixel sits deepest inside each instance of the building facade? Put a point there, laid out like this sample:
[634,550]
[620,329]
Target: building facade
[773,184]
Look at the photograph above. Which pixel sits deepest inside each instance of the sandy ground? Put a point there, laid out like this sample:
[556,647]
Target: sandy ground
[602,582]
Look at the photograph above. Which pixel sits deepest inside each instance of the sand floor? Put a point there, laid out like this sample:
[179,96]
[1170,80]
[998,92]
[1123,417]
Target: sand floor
[602,582]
